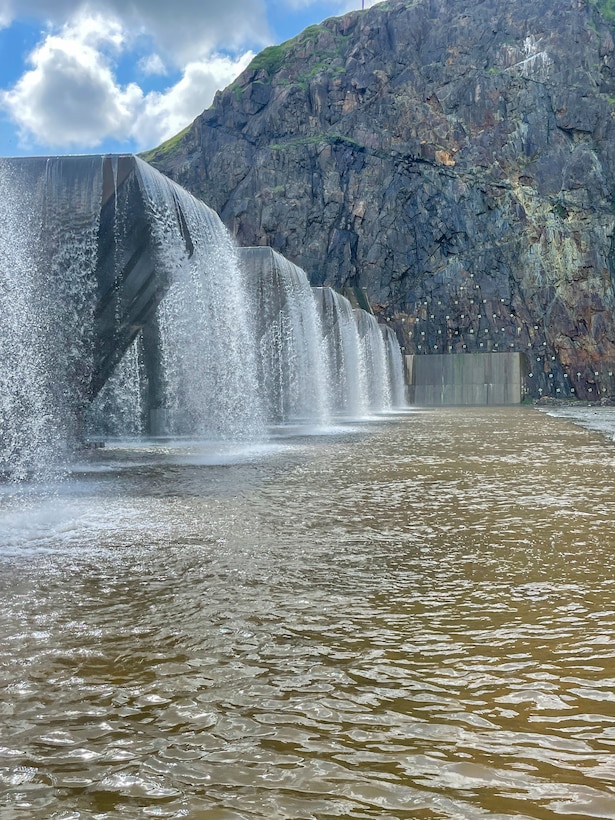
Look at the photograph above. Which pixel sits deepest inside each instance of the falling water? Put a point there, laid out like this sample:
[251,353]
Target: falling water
[395,367]
[207,350]
[47,261]
[292,362]
[118,409]
[95,251]
[375,357]
[343,345]
[22,376]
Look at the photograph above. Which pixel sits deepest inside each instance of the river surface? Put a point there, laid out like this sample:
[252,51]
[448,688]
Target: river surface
[414,619]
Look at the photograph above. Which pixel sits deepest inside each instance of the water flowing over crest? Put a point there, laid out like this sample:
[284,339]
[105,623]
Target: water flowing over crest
[48,237]
[204,333]
[348,364]
[292,363]
[395,366]
[374,355]
[128,310]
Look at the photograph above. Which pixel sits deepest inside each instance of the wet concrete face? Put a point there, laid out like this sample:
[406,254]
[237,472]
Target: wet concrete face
[465,379]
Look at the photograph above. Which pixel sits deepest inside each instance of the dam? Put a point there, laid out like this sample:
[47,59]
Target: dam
[117,282]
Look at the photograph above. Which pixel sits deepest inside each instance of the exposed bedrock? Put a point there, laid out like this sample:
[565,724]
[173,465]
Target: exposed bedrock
[454,158]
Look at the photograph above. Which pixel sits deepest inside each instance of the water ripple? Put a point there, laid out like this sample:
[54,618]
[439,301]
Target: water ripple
[416,623]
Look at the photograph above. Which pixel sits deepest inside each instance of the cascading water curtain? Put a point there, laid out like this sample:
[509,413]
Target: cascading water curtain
[293,366]
[26,431]
[395,368]
[343,346]
[374,355]
[47,263]
[118,410]
[309,381]
[207,338]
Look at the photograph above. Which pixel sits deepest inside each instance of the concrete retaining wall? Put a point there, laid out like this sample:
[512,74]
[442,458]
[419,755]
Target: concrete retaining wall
[465,378]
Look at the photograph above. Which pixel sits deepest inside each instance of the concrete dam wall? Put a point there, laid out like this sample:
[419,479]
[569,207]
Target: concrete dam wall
[465,379]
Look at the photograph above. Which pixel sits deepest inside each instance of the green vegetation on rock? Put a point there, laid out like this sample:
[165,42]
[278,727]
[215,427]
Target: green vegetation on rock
[606,8]
[167,149]
[270,59]
[320,139]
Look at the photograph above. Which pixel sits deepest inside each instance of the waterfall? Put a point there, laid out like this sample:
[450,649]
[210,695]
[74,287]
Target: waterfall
[118,410]
[374,355]
[122,293]
[346,360]
[48,236]
[395,368]
[292,363]
[206,337]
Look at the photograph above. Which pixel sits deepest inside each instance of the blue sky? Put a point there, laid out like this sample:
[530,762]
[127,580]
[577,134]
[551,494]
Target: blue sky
[124,75]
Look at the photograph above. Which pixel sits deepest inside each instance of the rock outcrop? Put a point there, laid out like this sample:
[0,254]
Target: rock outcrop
[456,158]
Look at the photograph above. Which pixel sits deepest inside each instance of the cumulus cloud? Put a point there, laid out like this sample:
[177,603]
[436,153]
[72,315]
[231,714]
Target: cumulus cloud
[152,64]
[182,30]
[6,14]
[162,115]
[70,96]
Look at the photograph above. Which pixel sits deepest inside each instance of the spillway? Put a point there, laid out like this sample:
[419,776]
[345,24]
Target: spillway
[345,353]
[293,368]
[128,309]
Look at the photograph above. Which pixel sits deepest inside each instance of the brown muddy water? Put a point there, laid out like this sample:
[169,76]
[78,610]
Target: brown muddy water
[411,620]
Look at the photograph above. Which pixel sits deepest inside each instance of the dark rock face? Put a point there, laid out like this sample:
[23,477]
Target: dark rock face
[454,157]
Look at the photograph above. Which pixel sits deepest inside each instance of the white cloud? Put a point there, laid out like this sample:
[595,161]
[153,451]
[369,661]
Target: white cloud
[188,29]
[71,98]
[182,30]
[152,65]
[6,14]
[164,114]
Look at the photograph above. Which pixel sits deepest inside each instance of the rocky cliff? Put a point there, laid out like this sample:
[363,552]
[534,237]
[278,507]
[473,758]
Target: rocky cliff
[456,158]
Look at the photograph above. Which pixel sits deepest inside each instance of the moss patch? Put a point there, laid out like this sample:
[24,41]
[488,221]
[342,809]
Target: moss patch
[321,139]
